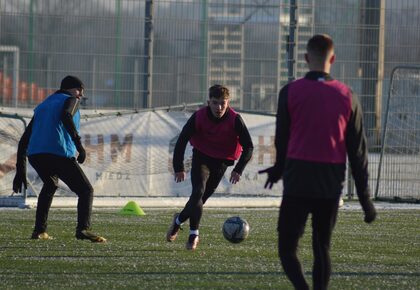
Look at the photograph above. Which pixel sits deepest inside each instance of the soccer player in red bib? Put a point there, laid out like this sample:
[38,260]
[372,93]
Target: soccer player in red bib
[219,136]
[318,125]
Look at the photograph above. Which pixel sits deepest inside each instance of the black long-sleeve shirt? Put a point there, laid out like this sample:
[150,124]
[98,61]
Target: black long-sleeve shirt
[189,130]
[308,178]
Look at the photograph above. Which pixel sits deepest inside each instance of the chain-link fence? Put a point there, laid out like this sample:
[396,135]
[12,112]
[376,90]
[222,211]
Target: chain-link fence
[135,54]
[144,53]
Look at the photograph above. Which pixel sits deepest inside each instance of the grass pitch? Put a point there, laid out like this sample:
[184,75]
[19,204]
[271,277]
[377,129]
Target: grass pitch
[384,255]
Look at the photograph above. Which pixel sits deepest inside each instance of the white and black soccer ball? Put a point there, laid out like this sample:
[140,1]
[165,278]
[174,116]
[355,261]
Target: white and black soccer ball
[235,229]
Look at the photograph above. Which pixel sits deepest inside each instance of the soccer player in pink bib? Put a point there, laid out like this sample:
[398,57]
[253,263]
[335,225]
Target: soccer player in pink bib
[318,125]
[219,136]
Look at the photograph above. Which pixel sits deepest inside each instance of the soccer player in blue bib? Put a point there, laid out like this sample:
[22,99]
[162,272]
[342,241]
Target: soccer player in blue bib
[219,136]
[318,125]
[51,141]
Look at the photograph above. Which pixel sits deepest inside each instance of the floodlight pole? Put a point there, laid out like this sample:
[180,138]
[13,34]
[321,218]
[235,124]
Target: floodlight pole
[291,45]
[117,67]
[381,60]
[370,63]
[31,46]
[148,55]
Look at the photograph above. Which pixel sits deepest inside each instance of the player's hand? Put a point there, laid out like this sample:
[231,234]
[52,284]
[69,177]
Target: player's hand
[19,181]
[82,155]
[234,177]
[274,175]
[180,176]
[369,210]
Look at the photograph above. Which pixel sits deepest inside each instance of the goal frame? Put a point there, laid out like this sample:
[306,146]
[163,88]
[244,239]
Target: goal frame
[384,135]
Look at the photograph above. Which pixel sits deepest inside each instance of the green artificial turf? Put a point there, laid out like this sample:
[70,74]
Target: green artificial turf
[383,255]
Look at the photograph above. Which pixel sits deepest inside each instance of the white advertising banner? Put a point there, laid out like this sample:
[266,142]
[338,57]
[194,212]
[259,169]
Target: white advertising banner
[131,155]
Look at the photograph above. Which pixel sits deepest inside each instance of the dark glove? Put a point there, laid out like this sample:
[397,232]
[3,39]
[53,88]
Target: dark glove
[19,180]
[274,175]
[82,154]
[368,209]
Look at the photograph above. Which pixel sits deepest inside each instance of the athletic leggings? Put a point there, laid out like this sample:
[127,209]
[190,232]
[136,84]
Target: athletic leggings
[291,224]
[50,169]
[206,174]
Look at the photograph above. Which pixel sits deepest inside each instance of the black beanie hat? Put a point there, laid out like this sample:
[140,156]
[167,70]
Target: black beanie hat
[71,82]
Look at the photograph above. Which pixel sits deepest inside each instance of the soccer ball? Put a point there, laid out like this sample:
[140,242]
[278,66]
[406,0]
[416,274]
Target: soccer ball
[235,229]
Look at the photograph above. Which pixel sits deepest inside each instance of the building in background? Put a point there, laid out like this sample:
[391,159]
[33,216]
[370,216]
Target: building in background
[226,42]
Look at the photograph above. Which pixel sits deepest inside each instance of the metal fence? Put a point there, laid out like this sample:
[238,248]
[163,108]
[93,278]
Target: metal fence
[135,54]
[144,53]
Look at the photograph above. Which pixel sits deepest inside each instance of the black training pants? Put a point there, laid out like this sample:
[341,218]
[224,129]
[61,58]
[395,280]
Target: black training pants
[206,174]
[291,224]
[50,168]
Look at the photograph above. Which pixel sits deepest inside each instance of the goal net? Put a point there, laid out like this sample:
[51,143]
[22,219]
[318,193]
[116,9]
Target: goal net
[399,164]
[11,129]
